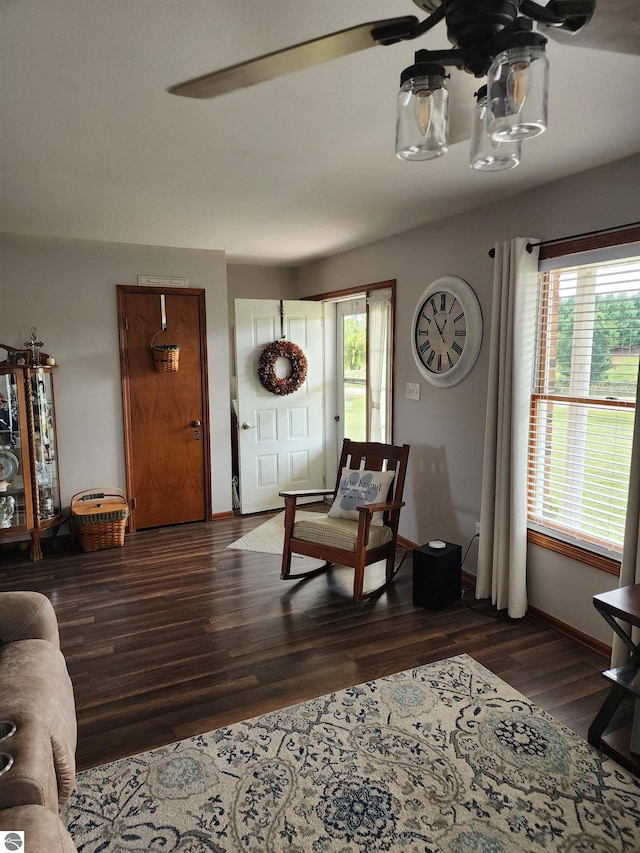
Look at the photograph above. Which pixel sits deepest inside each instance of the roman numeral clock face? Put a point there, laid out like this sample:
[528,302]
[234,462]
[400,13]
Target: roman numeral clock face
[447,331]
[441,330]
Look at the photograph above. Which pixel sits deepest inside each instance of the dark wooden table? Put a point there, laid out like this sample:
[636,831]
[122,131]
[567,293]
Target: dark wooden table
[620,608]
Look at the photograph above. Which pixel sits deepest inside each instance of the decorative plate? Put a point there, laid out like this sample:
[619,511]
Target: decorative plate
[9,465]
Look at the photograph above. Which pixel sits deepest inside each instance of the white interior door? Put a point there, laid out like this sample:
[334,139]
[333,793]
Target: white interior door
[280,438]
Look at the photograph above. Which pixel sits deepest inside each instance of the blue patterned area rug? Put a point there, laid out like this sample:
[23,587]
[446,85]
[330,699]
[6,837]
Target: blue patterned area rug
[445,757]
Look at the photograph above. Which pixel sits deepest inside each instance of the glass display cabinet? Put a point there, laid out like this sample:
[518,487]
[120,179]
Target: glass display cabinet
[29,481]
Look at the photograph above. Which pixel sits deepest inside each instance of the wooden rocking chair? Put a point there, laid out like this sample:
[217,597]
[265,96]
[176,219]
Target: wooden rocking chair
[354,533]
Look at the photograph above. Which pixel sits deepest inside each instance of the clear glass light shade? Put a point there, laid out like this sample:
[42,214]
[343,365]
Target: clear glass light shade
[421,128]
[517,93]
[487,155]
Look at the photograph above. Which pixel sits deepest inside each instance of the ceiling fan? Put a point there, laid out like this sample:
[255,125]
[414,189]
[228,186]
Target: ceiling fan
[489,37]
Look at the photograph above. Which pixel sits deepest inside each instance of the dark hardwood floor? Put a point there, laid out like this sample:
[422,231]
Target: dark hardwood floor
[174,635]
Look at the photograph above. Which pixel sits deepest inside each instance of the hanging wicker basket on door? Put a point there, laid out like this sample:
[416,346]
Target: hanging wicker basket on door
[165,351]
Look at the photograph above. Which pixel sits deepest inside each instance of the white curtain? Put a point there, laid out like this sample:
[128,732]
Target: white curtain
[502,553]
[379,363]
[630,568]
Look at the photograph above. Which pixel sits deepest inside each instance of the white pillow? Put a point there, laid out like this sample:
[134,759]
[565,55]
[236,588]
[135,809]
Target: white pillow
[357,488]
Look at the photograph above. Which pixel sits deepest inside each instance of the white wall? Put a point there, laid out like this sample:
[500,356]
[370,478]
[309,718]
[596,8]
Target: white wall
[66,289]
[445,428]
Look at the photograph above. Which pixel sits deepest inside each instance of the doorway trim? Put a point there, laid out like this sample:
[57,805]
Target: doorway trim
[122,290]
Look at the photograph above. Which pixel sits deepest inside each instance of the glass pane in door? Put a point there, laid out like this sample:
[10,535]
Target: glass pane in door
[354,372]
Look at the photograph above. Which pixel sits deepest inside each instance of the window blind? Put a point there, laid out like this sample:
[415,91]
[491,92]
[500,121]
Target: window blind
[583,402]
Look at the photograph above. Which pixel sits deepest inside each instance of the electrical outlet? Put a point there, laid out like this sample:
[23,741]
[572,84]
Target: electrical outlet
[477,528]
[412,391]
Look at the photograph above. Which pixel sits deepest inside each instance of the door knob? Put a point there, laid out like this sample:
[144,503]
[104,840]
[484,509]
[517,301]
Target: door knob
[246,425]
[196,423]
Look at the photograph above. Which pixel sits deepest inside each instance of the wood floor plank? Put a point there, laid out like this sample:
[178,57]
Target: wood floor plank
[175,634]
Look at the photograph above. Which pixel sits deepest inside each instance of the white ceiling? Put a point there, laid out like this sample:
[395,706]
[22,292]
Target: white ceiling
[92,145]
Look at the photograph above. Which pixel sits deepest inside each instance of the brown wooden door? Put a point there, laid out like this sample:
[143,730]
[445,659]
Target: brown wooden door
[165,413]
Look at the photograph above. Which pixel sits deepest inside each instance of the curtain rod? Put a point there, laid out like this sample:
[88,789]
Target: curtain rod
[531,246]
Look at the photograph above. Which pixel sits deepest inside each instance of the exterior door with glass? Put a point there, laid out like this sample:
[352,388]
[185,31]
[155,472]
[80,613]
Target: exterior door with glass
[364,333]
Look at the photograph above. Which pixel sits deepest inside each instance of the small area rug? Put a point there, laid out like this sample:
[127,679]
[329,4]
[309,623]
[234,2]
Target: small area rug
[445,757]
[268,538]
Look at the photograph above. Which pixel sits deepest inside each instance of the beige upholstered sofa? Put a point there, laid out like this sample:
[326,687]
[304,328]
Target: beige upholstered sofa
[37,723]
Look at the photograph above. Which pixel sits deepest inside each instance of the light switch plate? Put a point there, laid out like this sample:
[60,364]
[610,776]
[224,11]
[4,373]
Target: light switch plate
[413,391]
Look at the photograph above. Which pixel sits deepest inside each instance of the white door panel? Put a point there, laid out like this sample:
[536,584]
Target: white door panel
[266,425]
[282,446]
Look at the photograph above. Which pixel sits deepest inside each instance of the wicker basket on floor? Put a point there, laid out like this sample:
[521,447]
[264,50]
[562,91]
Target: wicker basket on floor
[99,518]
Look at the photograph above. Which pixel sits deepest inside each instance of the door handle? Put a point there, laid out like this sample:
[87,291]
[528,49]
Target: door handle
[195,424]
[246,425]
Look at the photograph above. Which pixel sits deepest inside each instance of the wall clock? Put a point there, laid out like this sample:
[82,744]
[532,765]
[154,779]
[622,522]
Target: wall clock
[446,331]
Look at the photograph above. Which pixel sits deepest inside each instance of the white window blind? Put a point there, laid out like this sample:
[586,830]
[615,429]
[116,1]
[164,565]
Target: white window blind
[583,402]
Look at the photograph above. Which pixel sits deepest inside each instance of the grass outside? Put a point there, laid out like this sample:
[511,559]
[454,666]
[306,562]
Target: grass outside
[607,456]
[623,376]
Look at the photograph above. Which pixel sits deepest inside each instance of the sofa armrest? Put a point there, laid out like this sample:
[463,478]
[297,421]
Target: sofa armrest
[44,832]
[31,779]
[35,684]
[27,616]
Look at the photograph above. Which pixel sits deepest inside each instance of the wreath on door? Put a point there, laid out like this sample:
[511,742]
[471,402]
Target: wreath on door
[267,368]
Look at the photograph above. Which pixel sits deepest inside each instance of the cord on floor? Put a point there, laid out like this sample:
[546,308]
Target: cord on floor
[499,614]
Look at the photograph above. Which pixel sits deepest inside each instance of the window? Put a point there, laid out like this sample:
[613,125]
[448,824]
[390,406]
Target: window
[583,400]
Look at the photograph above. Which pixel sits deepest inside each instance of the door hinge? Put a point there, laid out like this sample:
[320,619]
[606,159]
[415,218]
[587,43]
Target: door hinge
[126,324]
[133,503]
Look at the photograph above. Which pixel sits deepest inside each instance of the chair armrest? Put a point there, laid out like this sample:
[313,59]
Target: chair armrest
[291,505]
[371,508]
[306,493]
[365,517]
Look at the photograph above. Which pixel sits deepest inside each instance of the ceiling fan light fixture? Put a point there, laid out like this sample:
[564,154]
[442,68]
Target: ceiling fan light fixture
[517,84]
[487,155]
[422,113]
[493,38]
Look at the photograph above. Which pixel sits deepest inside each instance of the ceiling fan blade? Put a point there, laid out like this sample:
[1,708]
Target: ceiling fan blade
[615,26]
[296,57]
